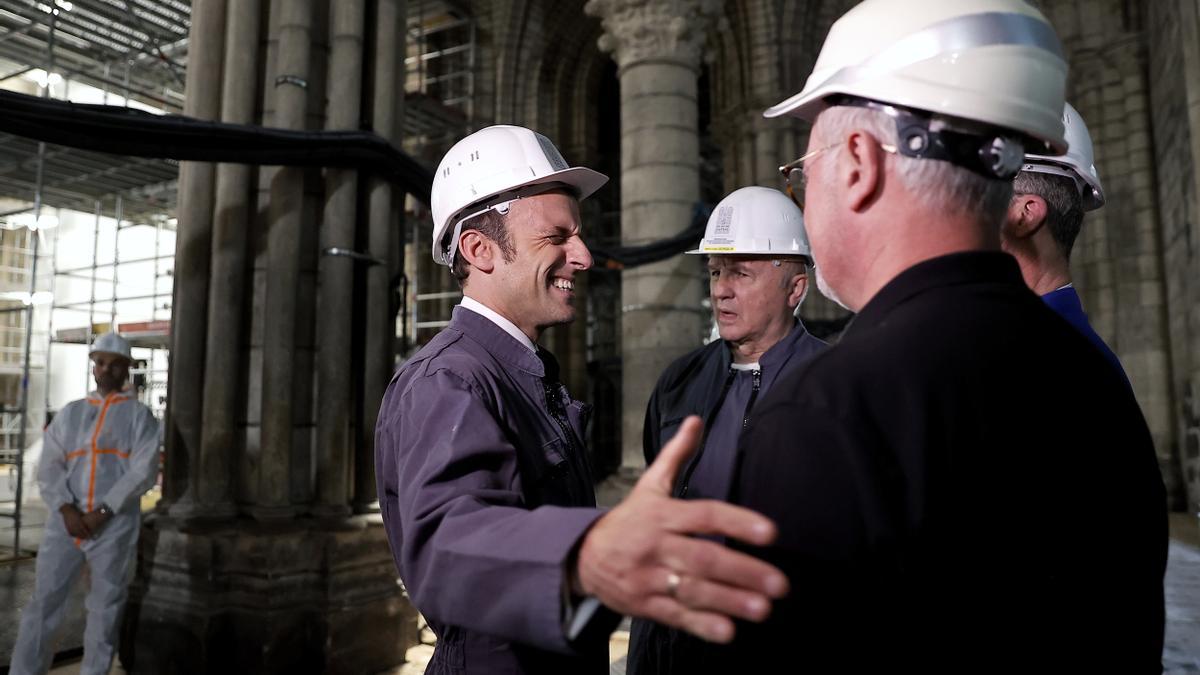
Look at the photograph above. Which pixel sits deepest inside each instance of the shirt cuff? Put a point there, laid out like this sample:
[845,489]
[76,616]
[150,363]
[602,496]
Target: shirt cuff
[577,616]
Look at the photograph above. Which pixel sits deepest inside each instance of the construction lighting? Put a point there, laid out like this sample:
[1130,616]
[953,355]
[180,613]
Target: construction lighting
[43,222]
[38,298]
[58,5]
[43,79]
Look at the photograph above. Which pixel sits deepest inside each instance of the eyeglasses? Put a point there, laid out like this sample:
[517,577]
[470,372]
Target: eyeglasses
[796,177]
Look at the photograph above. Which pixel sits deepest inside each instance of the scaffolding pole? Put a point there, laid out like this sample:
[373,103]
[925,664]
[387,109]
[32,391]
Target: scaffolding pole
[112,317]
[88,337]
[37,214]
[50,318]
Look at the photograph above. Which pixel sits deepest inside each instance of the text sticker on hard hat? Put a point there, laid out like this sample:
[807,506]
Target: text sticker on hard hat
[724,222]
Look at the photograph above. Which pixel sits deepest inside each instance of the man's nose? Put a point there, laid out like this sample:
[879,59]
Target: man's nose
[721,288]
[578,254]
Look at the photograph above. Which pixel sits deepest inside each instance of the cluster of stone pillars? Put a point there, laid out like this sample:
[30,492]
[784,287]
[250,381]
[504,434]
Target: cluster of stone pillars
[657,46]
[263,555]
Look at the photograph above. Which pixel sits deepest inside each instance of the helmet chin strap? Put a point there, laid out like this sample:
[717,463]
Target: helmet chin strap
[984,150]
[452,244]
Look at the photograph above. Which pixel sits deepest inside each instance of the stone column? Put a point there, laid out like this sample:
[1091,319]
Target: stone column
[1141,334]
[249,461]
[1188,347]
[192,249]
[220,436]
[297,594]
[385,219]
[769,151]
[283,268]
[1121,254]
[335,306]
[744,157]
[657,46]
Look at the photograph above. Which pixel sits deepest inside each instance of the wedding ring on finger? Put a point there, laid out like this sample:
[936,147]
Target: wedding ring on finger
[673,581]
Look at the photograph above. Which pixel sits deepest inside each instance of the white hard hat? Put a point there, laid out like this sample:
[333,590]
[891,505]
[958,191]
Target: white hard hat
[1079,164]
[489,169]
[755,221]
[111,343]
[994,62]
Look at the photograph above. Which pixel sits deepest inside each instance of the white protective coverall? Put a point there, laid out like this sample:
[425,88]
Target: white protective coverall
[98,450]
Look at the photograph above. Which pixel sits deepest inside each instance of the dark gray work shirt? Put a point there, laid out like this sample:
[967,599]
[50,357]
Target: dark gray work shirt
[711,478]
[485,491]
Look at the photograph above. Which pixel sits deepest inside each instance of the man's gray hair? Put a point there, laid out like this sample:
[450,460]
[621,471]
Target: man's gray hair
[1064,205]
[942,185]
[790,267]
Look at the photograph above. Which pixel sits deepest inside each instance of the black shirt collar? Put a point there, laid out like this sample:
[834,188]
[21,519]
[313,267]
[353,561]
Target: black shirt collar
[971,267]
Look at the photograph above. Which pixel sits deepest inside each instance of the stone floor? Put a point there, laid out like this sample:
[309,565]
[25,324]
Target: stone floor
[418,656]
[72,666]
[1181,655]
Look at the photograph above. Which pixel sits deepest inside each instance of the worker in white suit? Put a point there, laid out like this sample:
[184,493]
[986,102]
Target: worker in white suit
[100,454]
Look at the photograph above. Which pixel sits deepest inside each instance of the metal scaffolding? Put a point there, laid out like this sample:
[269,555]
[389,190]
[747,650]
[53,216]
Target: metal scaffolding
[439,101]
[23,405]
[135,47]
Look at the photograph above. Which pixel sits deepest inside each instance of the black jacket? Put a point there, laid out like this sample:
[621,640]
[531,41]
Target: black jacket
[962,484]
[695,385]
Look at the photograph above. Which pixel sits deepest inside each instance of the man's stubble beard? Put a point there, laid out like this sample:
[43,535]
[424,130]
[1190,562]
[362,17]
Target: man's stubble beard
[826,290]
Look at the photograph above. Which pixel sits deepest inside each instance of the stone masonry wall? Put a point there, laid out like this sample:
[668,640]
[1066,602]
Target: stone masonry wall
[1135,77]
[1118,263]
[1175,105]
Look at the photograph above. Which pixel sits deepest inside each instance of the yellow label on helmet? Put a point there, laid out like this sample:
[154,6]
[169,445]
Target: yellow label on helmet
[718,248]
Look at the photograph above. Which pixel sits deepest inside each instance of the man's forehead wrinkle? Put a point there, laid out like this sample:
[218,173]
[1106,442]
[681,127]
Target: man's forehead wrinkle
[730,262]
[553,228]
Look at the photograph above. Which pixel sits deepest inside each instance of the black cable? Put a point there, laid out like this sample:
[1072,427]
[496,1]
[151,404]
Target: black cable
[126,131]
[632,256]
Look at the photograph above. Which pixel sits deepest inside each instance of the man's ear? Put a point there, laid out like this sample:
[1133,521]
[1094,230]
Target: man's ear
[862,171]
[799,284]
[1026,215]
[477,250]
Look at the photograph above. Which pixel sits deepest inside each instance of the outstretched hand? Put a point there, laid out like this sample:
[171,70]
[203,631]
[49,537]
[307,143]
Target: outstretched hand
[640,558]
